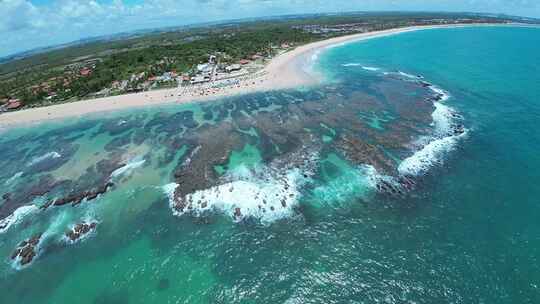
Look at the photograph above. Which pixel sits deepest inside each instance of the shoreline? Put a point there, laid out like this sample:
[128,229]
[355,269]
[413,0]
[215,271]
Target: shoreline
[283,72]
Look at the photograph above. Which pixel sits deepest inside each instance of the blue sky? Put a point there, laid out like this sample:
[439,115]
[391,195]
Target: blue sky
[27,24]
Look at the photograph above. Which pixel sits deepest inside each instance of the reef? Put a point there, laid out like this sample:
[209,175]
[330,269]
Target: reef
[26,250]
[80,230]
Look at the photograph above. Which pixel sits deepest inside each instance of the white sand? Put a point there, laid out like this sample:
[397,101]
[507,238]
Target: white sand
[285,71]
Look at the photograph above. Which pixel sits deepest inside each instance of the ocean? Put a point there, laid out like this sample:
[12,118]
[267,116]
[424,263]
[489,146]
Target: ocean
[410,175]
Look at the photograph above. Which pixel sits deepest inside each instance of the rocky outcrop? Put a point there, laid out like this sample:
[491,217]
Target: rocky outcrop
[26,251]
[80,230]
[76,198]
[24,194]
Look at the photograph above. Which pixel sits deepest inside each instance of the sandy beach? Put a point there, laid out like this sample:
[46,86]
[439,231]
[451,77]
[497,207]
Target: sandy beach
[284,71]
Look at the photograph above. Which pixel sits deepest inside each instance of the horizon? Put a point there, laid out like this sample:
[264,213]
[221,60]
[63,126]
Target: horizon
[172,28]
[46,21]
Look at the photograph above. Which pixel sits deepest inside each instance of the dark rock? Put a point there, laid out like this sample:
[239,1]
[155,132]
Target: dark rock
[80,230]
[77,198]
[26,250]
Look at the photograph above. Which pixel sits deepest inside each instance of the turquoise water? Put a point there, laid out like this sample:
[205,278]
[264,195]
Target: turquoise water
[467,232]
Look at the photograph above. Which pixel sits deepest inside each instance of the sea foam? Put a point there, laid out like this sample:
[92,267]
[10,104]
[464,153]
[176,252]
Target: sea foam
[372,69]
[50,155]
[407,75]
[16,217]
[429,155]
[13,178]
[367,68]
[265,193]
[434,148]
[129,167]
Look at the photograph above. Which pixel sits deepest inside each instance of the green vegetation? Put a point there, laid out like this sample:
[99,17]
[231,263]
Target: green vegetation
[131,63]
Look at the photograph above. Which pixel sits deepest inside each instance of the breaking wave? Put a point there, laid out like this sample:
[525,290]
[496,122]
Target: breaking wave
[407,75]
[266,194]
[50,155]
[129,167]
[441,94]
[429,155]
[351,64]
[433,149]
[13,178]
[367,68]
[16,217]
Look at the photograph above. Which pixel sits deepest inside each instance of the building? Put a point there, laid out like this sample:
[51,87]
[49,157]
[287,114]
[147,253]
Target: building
[14,104]
[233,67]
[244,61]
[85,72]
[200,79]
[204,68]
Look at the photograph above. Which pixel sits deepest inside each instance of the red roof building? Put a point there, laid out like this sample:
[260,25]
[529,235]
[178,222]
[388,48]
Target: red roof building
[14,104]
[85,72]
[244,61]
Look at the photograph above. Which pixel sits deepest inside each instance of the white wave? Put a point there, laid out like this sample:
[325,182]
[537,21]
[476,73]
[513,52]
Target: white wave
[431,154]
[367,68]
[337,45]
[442,119]
[315,55]
[372,69]
[16,217]
[444,94]
[408,75]
[266,194]
[50,155]
[351,64]
[13,178]
[129,167]
[433,149]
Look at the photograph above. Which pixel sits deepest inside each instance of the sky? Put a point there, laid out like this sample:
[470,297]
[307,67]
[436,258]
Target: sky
[29,24]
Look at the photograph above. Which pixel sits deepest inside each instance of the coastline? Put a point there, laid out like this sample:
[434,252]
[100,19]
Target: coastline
[283,72]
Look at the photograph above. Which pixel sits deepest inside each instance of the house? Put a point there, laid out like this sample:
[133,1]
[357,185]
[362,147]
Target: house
[233,67]
[244,61]
[14,104]
[200,79]
[204,68]
[85,72]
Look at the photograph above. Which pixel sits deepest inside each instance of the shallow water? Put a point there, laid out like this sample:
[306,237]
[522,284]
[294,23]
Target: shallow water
[305,170]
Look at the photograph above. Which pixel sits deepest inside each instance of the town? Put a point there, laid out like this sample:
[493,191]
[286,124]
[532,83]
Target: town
[192,61]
